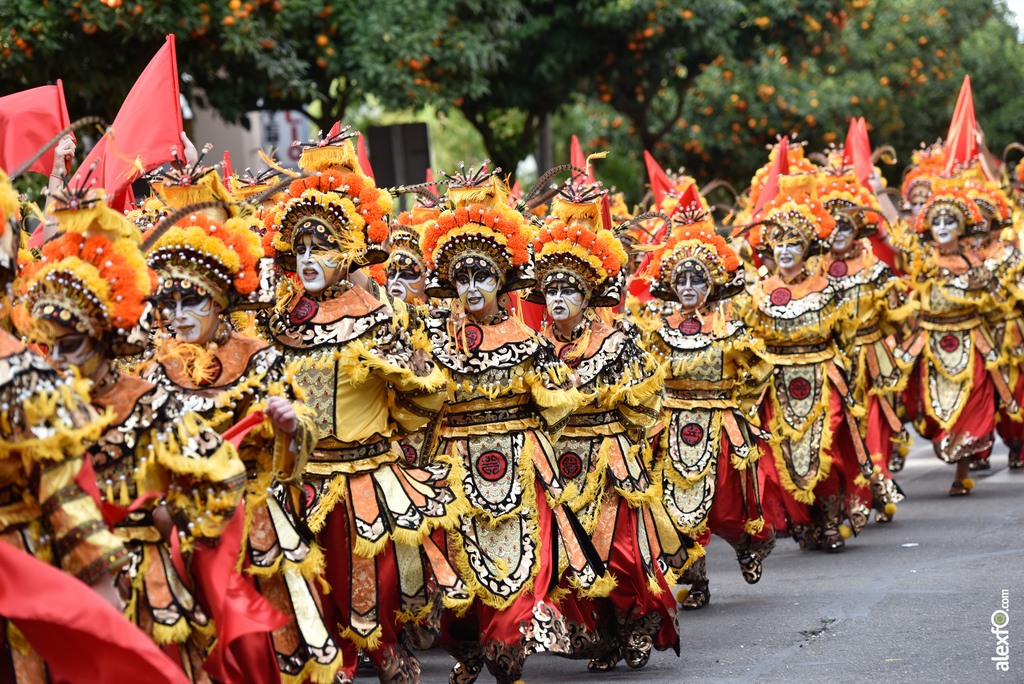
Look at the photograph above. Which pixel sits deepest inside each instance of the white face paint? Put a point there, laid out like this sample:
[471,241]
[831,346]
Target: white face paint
[789,255]
[843,236]
[193,319]
[406,284]
[564,301]
[318,264]
[692,290]
[477,288]
[944,229]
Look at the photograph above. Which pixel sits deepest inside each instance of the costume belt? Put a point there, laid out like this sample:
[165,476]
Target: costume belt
[696,395]
[867,335]
[498,415]
[347,454]
[592,419]
[944,323]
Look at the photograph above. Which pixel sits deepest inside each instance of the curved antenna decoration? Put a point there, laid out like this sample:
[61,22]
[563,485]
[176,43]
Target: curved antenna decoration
[172,218]
[547,175]
[646,216]
[886,153]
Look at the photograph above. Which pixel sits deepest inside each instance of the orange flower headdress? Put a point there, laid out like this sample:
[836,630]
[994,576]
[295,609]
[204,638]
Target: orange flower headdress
[479,227]
[407,231]
[198,255]
[992,202]
[575,246]
[798,163]
[694,245]
[795,214]
[336,202]
[845,198]
[93,278]
[951,200]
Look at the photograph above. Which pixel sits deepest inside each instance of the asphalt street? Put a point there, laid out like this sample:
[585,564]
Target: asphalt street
[908,601]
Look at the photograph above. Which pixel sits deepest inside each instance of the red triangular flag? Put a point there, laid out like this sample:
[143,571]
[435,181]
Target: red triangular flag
[961,147]
[146,127]
[579,160]
[660,183]
[364,162]
[516,191]
[228,173]
[82,638]
[28,120]
[690,197]
[779,167]
[236,607]
[857,150]
[433,188]
[606,212]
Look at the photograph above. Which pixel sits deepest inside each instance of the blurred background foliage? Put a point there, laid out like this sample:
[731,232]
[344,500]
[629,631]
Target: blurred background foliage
[702,84]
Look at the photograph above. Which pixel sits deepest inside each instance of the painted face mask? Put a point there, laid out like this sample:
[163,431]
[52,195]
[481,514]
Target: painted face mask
[318,264]
[406,283]
[477,288]
[191,317]
[789,254]
[944,229]
[564,301]
[844,235]
[692,290]
[73,350]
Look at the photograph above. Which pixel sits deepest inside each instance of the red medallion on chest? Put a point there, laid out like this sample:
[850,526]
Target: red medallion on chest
[492,466]
[781,296]
[838,269]
[949,343]
[799,388]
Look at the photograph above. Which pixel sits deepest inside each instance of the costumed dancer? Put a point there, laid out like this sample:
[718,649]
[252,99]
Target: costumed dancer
[1004,322]
[205,270]
[880,310]
[507,391]
[818,476]
[951,396]
[579,264]
[370,381]
[157,463]
[707,457]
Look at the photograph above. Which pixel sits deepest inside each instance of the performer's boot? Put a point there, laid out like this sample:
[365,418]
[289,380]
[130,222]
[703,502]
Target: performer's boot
[395,664]
[808,536]
[1016,457]
[505,661]
[881,499]
[750,553]
[832,509]
[469,662]
[696,576]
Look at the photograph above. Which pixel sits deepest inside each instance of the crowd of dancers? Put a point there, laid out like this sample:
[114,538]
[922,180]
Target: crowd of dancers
[282,426]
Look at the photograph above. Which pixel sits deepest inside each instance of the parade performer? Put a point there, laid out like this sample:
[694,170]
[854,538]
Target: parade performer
[578,265]
[369,380]
[707,458]
[879,310]
[819,456]
[506,390]
[952,395]
[1004,322]
[159,464]
[205,269]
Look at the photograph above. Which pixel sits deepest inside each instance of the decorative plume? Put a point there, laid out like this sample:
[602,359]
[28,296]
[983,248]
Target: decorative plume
[885,153]
[468,179]
[542,181]
[626,225]
[335,136]
[421,189]
[74,126]
[183,174]
[280,186]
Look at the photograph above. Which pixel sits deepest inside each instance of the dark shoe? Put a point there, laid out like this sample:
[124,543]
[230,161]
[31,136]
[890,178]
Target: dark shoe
[751,569]
[699,596]
[1016,457]
[465,673]
[958,489]
[834,542]
[638,650]
[980,464]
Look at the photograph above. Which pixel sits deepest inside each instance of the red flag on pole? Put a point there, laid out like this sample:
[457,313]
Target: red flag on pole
[364,161]
[28,120]
[779,167]
[857,150]
[961,147]
[579,160]
[660,183]
[146,127]
[82,638]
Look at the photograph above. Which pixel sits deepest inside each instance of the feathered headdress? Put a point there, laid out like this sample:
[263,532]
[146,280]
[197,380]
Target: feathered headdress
[993,202]
[479,226]
[844,197]
[695,245]
[950,200]
[575,246]
[93,278]
[184,184]
[796,213]
[336,202]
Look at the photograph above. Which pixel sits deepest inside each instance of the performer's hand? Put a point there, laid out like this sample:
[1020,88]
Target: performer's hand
[104,586]
[191,155]
[62,156]
[282,414]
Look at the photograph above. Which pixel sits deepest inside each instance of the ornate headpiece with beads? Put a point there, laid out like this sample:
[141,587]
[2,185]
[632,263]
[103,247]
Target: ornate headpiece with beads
[993,202]
[479,227]
[247,184]
[93,280]
[336,202]
[148,214]
[694,245]
[844,197]
[407,234]
[952,201]
[795,213]
[575,247]
[205,257]
[185,184]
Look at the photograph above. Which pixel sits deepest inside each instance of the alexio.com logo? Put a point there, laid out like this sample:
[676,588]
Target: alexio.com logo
[1000,623]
